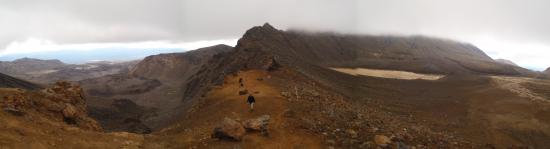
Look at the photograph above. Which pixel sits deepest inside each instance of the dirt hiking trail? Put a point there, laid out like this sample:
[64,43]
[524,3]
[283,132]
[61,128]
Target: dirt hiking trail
[225,101]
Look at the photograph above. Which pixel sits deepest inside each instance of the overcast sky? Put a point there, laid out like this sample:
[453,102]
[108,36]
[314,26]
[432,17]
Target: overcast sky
[518,30]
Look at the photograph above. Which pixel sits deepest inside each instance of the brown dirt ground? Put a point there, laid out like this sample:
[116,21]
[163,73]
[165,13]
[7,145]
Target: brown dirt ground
[455,110]
[224,101]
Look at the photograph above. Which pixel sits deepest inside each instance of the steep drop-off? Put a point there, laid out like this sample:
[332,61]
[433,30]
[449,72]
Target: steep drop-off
[149,95]
[11,82]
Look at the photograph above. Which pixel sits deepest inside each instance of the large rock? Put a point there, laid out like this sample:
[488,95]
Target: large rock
[67,102]
[69,111]
[15,101]
[382,140]
[257,124]
[229,129]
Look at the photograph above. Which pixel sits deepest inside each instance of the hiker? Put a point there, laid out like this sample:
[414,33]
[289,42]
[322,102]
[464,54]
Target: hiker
[251,101]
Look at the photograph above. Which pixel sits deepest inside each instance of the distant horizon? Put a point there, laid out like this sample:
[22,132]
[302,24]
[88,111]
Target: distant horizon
[131,54]
[85,53]
[88,56]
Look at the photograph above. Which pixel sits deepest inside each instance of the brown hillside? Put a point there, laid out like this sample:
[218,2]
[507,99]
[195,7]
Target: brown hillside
[149,96]
[450,108]
[175,66]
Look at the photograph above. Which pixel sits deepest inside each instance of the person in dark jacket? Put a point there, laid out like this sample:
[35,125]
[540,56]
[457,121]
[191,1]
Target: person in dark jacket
[251,101]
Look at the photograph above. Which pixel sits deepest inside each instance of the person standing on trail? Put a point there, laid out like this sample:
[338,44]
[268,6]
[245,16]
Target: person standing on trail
[251,101]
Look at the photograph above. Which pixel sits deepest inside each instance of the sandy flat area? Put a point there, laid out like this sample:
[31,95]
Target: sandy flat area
[392,74]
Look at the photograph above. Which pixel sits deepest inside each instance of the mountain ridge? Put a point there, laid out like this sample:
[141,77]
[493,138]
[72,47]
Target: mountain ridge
[416,53]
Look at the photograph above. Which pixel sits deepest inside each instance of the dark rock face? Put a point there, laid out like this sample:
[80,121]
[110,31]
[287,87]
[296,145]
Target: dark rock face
[11,82]
[119,85]
[124,116]
[130,101]
[175,65]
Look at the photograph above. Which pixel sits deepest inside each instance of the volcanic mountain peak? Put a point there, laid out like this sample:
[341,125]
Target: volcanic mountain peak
[414,53]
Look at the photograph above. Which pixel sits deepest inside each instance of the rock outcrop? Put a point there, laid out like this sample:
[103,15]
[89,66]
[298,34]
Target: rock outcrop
[233,130]
[67,101]
[63,102]
[229,129]
[257,124]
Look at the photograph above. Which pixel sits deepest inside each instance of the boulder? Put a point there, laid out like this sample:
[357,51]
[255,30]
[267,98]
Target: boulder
[382,140]
[257,124]
[69,111]
[15,101]
[229,129]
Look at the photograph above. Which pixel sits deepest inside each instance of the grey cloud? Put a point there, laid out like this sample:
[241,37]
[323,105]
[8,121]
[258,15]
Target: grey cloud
[70,21]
